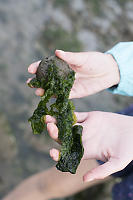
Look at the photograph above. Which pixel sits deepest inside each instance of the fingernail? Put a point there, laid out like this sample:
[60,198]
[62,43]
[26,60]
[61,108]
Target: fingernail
[88,179]
[54,154]
[31,69]
[48,118]
[47,124]
[39,92]
[29,79]
[50,152]
[60,51]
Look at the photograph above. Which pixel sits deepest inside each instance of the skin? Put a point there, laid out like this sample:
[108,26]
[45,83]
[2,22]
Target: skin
[52,184]
[94,69]
[106,136]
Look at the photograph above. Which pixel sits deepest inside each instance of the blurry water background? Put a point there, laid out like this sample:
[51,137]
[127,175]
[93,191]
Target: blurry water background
[30,30]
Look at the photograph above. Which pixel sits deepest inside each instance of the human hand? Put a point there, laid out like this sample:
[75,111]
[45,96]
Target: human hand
[106,136]
[95,71]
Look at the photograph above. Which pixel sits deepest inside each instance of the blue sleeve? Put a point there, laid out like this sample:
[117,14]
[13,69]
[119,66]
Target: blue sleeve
[123,54]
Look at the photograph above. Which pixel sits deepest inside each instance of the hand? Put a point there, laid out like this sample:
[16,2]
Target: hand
[106,136]
[95,71]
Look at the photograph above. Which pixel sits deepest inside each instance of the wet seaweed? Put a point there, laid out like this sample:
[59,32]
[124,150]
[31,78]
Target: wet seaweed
[56,78]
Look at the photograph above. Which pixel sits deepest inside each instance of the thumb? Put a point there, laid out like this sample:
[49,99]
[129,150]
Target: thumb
[102,171]
[77,59]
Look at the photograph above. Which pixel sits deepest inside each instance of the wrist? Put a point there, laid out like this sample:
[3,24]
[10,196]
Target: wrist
[123,55]
[113,70]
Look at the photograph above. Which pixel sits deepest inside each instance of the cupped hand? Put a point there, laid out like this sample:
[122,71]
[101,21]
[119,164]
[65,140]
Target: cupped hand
[95,71]
[106,136]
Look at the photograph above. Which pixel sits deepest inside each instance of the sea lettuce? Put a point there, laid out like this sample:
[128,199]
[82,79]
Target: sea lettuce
[57,78]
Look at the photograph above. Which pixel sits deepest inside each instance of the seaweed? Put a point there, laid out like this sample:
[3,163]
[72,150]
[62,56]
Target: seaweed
[56,78]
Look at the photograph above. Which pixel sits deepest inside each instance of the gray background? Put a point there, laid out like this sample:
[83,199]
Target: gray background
[30,30]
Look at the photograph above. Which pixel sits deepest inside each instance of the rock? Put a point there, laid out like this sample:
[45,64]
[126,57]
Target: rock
[63,67]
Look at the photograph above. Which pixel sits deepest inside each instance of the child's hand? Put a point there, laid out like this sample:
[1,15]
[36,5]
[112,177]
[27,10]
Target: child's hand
[106,136]
[95,71]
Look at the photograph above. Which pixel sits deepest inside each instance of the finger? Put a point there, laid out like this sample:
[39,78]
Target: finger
[55,154]
[78,90]
[39,92]
[77,124]
[50,119]
[72,94]
[102,171]
[28,81]
[53,131]
[33,67]
[81,116]
[72,58]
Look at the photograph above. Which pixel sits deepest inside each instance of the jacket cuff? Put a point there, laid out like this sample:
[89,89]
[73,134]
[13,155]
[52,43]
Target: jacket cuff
[123,54]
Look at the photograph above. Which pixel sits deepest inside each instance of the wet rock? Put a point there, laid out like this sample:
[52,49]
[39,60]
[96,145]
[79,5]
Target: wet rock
[63,67]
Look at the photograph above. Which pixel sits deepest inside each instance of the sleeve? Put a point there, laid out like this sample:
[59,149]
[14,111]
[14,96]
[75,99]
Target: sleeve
[123,54]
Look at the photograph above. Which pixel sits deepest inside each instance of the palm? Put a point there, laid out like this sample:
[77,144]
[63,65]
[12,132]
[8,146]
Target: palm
[94,72]
[107,138]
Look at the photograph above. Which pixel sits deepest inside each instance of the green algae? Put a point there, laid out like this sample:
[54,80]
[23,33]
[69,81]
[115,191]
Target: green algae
[56,78]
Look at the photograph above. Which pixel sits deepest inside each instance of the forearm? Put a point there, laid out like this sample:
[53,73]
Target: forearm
[53,184]
[29,189]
